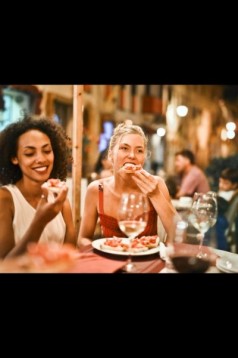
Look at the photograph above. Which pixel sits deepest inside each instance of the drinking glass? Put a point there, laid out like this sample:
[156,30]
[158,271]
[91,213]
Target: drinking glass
[182,250]
[132,219]
[203,215]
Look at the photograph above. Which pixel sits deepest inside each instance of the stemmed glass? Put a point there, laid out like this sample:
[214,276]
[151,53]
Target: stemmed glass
[203,215]
[132,219]
[181,251]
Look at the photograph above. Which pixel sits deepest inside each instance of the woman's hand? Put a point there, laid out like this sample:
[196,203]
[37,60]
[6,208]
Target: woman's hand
[157,191]
[46,211]
[147,183]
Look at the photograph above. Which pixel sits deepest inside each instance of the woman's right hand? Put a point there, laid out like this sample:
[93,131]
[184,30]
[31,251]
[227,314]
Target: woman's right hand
[46,211]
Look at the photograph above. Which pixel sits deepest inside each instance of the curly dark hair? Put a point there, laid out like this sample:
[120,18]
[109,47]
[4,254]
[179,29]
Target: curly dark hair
[10,173]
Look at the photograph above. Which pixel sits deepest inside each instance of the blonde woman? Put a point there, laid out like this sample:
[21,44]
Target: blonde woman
[127,148]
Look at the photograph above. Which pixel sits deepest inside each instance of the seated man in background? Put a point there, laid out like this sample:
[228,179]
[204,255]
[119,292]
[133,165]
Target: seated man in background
[226,225]
[192,178]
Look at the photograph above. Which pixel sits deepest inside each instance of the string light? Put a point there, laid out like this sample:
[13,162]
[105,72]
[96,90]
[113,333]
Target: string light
[182,111]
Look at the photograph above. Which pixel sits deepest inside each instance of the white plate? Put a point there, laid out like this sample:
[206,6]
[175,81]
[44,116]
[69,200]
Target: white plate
[227,264]
[97,245]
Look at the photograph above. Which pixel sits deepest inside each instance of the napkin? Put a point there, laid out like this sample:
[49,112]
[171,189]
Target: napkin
[92,263]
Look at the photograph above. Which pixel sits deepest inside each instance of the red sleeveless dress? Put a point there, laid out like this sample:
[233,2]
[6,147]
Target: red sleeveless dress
[109,225]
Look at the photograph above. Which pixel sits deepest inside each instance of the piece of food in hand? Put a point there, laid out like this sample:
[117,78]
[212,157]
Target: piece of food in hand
[55,185]
[115,244]
[131,168]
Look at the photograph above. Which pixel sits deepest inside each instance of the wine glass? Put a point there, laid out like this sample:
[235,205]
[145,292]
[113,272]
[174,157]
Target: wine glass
[132,219]
[181,250]
[203,215]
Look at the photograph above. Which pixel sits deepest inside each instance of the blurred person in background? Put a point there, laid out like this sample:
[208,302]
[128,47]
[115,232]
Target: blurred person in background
[227,199]
[103,166]
[228,184]
[191,178]
[32,151]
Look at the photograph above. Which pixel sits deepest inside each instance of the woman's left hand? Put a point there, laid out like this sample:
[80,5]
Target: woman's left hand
[147,183]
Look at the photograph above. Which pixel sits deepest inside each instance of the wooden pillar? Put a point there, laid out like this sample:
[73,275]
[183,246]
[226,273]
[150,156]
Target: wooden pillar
[77,153]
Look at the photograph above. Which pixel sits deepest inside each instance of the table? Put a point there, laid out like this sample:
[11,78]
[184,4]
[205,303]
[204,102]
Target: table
[154,263]
[213,268]
[144,264]
[90,260]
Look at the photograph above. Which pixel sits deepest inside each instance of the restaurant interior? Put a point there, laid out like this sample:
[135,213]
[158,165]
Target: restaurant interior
[201,118]
[170,115]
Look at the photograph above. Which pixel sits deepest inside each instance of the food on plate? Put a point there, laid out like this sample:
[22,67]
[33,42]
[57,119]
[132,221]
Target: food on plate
[55,185]
[115,244]
[144,243]
[137,246]
[149,241]
[131,168]
[141,244]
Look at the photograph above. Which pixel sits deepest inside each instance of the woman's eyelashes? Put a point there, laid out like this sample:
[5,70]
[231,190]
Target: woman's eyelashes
[127,150]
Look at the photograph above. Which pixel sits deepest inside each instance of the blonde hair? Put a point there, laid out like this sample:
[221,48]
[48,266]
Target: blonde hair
[126,128]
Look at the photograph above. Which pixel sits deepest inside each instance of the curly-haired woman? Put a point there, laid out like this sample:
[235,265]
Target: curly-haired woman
[32,151]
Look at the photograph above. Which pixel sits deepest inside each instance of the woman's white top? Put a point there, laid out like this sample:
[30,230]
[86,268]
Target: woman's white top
[24,214]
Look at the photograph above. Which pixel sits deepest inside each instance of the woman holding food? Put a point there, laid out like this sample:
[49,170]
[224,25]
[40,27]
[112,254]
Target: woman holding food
[127,152]
[32,151]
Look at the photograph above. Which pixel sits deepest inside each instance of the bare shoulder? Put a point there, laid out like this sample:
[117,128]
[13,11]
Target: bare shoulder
[94,185]
[6,200]
[5,195]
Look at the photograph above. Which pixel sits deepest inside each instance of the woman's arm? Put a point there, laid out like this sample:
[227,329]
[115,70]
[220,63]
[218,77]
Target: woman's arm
[70,235]
[90,214]
[156,190]
[7,241]
[45,212]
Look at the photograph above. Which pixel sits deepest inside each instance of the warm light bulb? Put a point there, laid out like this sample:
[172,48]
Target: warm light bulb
[230,134]
[161,131]
[182,111]
[223,134]
[230,126]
